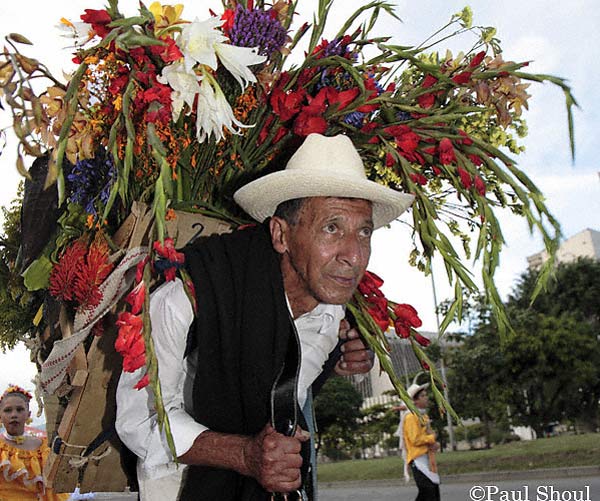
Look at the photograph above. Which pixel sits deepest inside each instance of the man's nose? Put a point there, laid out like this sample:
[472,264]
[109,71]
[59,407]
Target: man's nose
[352,251]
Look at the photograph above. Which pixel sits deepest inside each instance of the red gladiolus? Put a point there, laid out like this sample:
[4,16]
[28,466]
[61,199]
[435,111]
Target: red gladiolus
[168,251]
[418,178]
[142,383]
[466,139]
[169,52]
[476,61]
[286,105]
[406,317]
[422,340]
[425,365]
[428,81]
[306,124]
[130,343]
[465,178]
[136,298]
[479,185]
[370,284]
[462,78]
[475,159]
[341,98]
[99,19]
[426,100]
[446,151]
[228,19]
[378,310]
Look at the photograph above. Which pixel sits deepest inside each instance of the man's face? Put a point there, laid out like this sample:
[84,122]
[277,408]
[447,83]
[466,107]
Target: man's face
[326,253]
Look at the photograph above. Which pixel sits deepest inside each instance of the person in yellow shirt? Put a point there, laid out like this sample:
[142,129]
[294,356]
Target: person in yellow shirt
[22,456]
[419,445]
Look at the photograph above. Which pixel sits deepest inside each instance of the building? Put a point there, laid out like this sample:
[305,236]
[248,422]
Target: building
[585,244]
[375,387]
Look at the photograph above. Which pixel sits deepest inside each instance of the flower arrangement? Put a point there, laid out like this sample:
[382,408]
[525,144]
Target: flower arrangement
[179,114]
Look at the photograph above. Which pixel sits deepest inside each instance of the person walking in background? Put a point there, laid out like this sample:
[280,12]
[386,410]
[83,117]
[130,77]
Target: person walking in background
[22,456]
[419,446]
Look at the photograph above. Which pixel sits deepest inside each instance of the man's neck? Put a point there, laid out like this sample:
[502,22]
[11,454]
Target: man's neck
[299,300]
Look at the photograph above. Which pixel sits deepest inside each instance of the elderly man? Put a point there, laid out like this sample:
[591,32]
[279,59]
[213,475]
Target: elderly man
[269,308]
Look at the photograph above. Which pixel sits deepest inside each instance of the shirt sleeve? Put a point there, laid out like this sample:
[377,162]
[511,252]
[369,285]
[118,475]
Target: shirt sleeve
[137,425]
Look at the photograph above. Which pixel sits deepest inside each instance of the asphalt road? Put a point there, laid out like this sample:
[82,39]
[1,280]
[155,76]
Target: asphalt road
[562,489]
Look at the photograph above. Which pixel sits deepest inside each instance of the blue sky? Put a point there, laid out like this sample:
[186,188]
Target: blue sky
[560,38]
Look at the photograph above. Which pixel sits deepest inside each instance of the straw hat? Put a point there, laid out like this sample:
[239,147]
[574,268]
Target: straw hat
[322,167]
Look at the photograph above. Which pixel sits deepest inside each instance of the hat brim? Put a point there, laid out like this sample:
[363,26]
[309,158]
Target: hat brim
[261,197]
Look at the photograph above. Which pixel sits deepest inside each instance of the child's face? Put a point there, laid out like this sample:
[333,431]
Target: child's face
[14,412]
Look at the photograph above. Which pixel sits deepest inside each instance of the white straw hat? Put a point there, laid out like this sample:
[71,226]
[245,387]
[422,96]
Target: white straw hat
[413,389]
[322,167]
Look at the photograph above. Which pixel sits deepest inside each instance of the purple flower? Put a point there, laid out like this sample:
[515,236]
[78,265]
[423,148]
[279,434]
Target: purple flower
[258,28]
[91,180]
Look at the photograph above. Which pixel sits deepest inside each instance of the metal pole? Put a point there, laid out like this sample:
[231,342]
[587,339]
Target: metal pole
[443,367]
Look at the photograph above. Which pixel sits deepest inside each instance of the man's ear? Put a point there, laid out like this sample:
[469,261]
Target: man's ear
[279,234]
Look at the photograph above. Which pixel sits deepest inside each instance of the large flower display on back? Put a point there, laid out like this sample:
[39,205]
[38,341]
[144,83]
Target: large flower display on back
[179,114]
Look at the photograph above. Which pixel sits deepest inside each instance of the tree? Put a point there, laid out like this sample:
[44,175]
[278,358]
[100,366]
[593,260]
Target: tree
[554,355]
[337,410]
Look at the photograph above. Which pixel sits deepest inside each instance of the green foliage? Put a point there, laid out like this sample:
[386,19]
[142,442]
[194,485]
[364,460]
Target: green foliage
[337,410]
[551,360]
[18,306]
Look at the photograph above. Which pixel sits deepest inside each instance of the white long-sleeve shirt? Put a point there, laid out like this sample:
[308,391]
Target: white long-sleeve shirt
[171,315]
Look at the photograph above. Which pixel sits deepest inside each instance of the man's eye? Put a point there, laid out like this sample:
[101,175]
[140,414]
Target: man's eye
[366,232]
[330,228]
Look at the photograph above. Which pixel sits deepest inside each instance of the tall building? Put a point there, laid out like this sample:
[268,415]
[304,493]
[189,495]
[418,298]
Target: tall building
[586,243]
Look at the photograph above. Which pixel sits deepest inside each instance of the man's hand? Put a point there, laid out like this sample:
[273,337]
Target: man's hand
[356,358]
[434,447]
[274,460]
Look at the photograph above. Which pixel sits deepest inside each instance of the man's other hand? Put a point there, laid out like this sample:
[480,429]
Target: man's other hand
[356,357]
[274,460]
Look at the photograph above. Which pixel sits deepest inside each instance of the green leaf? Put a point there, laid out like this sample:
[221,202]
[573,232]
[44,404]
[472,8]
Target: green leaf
[37,274]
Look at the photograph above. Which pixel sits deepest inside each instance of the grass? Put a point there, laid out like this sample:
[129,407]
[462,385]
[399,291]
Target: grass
[554,452]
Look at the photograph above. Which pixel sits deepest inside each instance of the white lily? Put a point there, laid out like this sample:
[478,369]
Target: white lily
[201,42]
[214,113]
[184,83]
[79,32]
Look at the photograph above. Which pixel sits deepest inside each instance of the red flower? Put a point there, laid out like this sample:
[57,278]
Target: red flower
[418,178]
[341,98]
[422,340]
[466,139]
[228,17]
[136,298]
[142,383]
[306,124]
[286,104]
[378,310]
[370,284]
[465,178]
[168,251]
[475,159]
[428,81]
[99,19]
[446,151]
[92,272]
[169,52]
[406,317]
[426,100]
[479,185]
[477,58]
[462,78]
[130,343]
[64,273]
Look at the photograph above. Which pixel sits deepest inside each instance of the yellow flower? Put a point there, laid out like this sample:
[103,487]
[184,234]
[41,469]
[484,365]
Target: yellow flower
[166,15]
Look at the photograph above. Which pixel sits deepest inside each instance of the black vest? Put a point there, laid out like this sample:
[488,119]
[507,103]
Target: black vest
[243,333]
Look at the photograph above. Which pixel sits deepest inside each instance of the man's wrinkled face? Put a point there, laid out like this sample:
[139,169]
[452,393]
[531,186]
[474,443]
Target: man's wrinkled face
[329,247]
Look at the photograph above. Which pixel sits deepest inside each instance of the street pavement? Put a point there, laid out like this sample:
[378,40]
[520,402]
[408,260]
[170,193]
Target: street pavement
[522,489]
